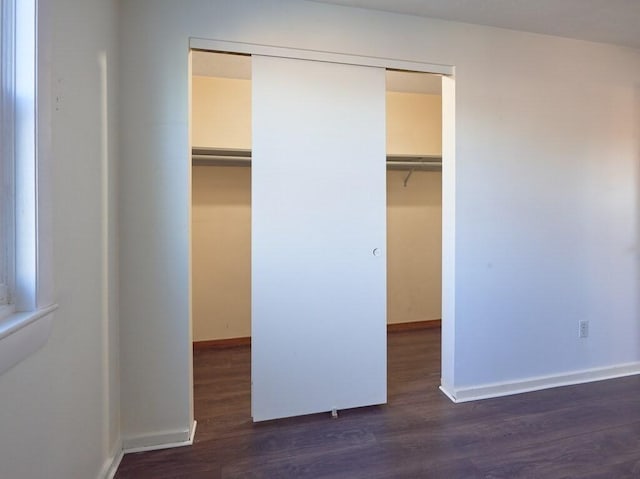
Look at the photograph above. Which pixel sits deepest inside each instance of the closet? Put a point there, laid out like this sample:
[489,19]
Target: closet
[414,199]
[221,210]
[222,264]
[221,198]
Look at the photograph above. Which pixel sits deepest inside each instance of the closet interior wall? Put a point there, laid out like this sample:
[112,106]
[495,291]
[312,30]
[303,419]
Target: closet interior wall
[221,211]
[414,209]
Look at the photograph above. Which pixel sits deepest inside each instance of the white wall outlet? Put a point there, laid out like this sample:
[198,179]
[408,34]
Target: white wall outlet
[583,329]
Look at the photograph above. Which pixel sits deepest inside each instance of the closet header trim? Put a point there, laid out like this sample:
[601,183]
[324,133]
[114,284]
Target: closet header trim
[317,55]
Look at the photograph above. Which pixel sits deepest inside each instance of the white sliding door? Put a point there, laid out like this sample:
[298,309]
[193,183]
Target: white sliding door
[318,237]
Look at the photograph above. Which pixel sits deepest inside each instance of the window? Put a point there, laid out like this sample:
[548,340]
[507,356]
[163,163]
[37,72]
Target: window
[25,209]
[7,141]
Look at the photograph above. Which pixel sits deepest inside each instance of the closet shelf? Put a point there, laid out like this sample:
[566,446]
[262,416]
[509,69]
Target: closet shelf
[242,157]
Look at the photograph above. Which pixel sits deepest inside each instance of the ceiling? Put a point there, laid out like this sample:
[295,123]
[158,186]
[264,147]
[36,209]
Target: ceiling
[608,21]
[224,65]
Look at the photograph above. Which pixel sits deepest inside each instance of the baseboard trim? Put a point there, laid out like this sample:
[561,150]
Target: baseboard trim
[221,343]
[446,392]
[537,384]
[111,465]
[414,325]
[165,440]
[246,341]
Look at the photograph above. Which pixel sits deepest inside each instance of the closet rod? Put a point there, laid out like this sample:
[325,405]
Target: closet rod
[221,159]
[415,164]
[215,157]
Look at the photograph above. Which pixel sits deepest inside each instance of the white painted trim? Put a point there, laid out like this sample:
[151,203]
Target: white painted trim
[536,384]
[111,465]
[448,253]
[317,55]
[164,440]
[19,320]
[22,334]
[446,392]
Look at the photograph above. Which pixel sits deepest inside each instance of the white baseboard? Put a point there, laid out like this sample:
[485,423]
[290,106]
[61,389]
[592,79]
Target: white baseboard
[110,466]
[495,390]
[446,392]
[164,440]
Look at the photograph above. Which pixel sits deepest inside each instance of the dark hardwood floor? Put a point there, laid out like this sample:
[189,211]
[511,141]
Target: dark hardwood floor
[585,431]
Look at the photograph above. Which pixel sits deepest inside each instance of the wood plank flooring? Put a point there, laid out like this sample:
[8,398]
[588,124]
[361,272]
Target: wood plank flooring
[585,431]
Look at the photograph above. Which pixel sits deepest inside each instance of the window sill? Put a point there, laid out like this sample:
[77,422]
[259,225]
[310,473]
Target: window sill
[22,334]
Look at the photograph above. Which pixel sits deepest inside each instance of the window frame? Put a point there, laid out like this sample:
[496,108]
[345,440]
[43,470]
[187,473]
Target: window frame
[25,322]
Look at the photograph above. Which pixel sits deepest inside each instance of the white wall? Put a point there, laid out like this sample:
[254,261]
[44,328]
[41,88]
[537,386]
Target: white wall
[546,190]
[59,409]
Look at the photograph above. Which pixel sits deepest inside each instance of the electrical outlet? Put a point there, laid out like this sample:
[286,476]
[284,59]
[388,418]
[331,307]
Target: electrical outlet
[583,329]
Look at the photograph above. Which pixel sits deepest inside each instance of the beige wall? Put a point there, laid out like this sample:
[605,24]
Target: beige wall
[221,241]
[221,212]
[414,245]
[414,124]
[221,112]
[414,212]
[221,228]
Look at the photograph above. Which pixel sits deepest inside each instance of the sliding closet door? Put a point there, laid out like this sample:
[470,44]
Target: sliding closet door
[318,237]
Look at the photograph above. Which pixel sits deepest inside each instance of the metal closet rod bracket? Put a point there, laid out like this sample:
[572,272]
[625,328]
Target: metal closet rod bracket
[406,178]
